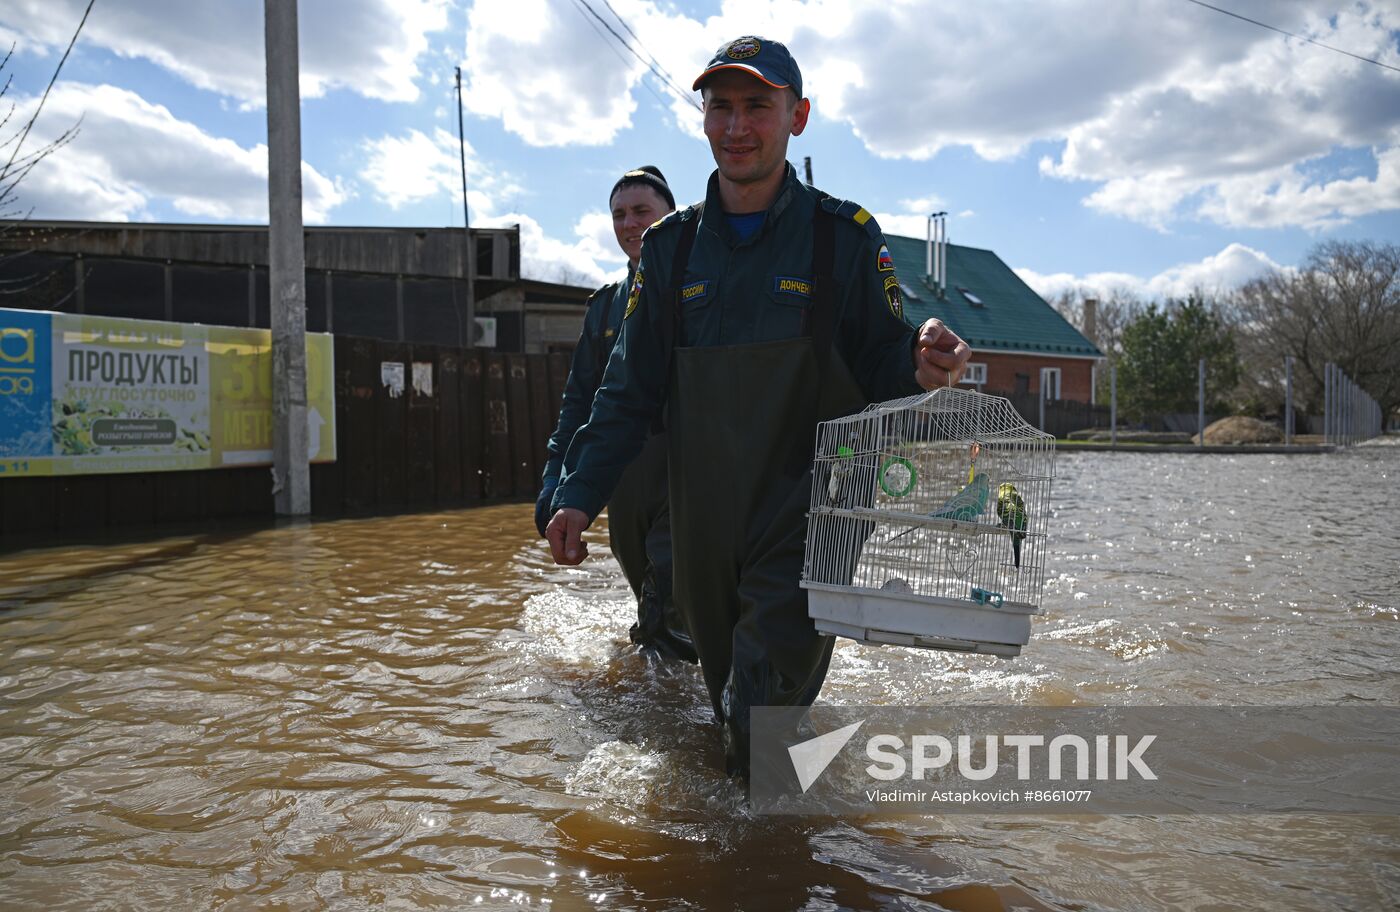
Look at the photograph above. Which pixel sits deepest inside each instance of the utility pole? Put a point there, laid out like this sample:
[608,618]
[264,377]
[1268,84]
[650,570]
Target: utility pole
[466,222]
[807,164]
[291,477]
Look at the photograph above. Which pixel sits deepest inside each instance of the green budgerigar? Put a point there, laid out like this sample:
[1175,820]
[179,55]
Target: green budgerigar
[1011,513]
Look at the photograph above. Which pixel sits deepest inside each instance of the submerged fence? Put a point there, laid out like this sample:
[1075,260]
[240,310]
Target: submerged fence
[1351,415]
[418,427]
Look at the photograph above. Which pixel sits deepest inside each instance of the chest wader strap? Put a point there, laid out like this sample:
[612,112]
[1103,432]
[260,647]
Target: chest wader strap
[819,321]
[673,322]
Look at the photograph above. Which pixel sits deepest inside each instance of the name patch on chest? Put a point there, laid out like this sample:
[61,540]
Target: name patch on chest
[793,286]
[694,291]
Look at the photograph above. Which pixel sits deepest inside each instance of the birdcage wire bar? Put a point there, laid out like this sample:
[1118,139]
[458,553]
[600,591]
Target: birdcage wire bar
[877,477]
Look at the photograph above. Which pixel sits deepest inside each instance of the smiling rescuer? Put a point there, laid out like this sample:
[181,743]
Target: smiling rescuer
[639,524]
[752,316]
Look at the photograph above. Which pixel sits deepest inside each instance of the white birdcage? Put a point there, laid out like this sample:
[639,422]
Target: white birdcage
[927,524]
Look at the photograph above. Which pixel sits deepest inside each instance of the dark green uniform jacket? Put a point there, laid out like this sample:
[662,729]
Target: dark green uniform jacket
[601,322]
[737,292]
[639,527]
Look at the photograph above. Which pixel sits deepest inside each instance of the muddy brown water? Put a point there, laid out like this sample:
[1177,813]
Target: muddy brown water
[422,712]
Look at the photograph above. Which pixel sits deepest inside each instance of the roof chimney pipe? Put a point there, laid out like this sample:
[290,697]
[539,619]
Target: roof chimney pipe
[934,262]
[943,257]
[928,255]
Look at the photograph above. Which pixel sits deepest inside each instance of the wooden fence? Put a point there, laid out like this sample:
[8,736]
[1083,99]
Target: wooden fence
[477,435]
[1062,416]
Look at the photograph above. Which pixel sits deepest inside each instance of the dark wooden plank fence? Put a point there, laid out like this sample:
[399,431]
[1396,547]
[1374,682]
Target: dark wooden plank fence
[478,434]
[1062,416]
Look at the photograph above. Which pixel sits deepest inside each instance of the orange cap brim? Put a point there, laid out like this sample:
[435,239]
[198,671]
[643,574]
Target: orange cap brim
[742,67]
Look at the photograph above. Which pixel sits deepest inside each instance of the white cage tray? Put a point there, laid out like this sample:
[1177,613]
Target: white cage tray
[899,619]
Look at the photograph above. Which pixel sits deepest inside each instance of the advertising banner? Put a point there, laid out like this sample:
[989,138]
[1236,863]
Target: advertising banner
[87,395]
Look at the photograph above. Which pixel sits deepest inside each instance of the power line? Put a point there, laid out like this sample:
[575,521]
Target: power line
[663,73]
[1292,35]
[633,52]
[579,5]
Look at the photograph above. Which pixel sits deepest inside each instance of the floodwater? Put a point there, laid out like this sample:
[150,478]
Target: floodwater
[422,712]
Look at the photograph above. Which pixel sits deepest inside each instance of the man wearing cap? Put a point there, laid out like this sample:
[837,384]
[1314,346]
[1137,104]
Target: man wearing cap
[752,316]
[639,526]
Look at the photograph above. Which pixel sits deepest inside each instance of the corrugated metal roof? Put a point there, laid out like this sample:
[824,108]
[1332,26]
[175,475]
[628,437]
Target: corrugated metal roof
[1009,317]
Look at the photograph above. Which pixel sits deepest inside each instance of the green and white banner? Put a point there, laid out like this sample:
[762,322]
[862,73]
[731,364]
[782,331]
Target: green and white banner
[84,395]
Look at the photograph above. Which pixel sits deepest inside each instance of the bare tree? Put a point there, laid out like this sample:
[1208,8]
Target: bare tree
[1115,311]
[1342,306]
[20,161]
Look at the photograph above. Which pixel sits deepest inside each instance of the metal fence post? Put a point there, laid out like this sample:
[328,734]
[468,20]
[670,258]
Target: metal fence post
[1288,401]
[1345,410]
[1327,402]
[1201,401]
[1113,404]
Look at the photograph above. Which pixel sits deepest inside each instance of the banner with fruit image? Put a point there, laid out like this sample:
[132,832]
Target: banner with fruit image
[144,395]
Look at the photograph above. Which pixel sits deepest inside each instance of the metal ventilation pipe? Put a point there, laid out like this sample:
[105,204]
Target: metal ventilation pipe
[943,255]
[928,254]
[936,262]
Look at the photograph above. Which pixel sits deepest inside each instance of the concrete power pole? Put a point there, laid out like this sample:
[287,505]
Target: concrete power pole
[291,485]
[470,251]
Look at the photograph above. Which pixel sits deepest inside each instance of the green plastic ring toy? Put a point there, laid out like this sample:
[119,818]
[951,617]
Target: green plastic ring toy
[890,485]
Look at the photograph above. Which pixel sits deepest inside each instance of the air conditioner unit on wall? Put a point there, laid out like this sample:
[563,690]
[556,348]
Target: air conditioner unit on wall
[484,335]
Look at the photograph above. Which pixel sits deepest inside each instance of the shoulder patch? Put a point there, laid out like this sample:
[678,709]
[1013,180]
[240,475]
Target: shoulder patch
[883,261]
[635,294]
[893,297]
[856,213]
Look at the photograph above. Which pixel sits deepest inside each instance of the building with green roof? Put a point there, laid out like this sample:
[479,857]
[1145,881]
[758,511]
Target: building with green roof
[1013,332]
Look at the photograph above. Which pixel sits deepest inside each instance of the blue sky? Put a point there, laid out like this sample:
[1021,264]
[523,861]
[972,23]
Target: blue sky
[1148,146]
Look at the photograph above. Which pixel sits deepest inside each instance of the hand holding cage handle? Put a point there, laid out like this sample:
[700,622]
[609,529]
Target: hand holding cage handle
[940,357]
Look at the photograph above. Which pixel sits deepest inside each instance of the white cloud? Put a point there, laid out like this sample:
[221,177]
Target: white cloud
[414,167]
[1233,266]
[550,259]
[579,87]
[129,152]
[547,95]
[923,205]
[408,169]
[370,47]
[1285,197]
[1170,110]
[596,229]
[1227,142]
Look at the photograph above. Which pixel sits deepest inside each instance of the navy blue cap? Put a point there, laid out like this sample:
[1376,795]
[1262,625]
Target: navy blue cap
[759,57]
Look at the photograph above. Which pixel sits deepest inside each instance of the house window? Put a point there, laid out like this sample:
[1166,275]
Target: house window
[976,374]
[1050,382]
[908,292]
